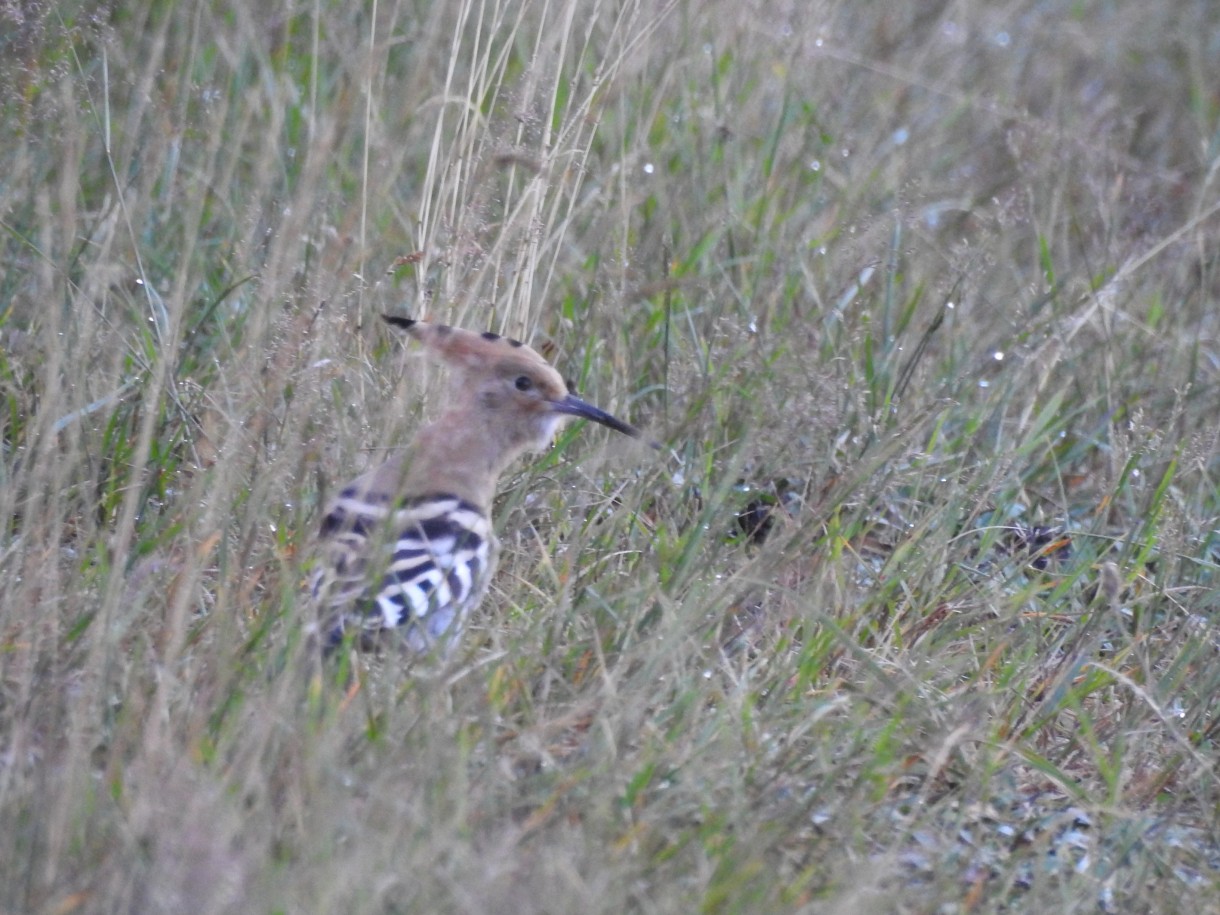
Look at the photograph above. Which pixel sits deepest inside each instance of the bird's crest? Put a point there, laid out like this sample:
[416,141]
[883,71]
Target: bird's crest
[464,348]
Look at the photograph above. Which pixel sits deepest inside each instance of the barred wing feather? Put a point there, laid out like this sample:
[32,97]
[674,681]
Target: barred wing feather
[418,567]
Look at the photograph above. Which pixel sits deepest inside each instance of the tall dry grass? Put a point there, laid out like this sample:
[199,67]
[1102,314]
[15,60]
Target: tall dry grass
[902,284]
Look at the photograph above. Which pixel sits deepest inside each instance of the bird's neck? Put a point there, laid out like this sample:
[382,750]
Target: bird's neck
[461,454]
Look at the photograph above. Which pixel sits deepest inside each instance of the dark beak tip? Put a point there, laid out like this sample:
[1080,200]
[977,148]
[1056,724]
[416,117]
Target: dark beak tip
[574,406]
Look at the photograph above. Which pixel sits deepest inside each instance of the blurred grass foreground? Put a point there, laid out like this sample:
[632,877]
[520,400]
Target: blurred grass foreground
[913,612]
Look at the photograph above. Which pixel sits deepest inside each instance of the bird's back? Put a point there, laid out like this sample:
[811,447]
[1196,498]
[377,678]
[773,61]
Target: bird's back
[417,566]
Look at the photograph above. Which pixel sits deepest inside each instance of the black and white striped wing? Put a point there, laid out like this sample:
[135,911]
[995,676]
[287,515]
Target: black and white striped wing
[418,569]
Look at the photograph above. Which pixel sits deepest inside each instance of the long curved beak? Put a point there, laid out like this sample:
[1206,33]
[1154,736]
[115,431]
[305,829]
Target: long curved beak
[574,406]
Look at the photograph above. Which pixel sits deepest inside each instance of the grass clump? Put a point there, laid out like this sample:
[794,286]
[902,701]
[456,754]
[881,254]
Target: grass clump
[911,613]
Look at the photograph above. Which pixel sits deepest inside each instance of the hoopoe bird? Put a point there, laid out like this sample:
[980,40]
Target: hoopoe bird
[408,547]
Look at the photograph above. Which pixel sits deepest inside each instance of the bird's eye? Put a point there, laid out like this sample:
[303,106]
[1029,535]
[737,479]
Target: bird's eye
[523,383]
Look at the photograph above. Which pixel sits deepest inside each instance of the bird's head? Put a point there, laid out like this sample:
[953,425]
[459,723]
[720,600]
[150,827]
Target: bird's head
[505,382]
